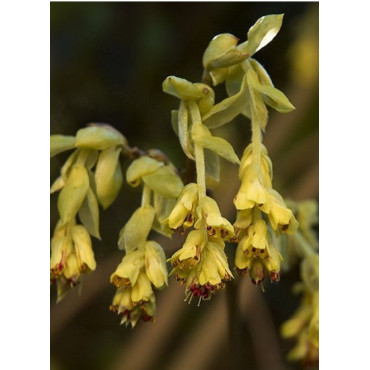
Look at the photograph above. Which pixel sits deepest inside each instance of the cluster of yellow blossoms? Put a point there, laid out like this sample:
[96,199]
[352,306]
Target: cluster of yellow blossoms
[201,264]
[90,176]
[260,208]
[144,264]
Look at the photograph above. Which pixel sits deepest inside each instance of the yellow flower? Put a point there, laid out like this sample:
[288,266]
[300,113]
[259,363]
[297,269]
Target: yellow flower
[71,256]
[131,313]
[189,255]
[155,264]
[255,255]
[182,215]
[243,221]
[208,274]
[72,270]
[128,270]
[83,248]
[266,164]
[280,216]
[252,190]
[135,302]
[217,226]
[61,249]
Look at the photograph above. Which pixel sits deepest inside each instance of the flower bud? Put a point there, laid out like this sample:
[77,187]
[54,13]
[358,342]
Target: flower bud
[142,290]
[128,270]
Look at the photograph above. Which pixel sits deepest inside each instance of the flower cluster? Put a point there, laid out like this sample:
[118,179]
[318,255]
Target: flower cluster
[144,264]
[133,278]
[71,256]
[90,176]
[260,207]
[201,264]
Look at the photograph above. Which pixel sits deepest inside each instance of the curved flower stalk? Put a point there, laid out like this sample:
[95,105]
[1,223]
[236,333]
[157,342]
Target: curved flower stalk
[90,176]
[144,264]
[201,264]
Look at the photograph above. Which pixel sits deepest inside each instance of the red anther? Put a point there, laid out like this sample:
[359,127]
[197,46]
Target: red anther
[146,317]
[274,275]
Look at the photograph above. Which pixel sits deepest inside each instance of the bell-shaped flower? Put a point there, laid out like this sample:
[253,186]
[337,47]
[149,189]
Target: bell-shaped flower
[189,255]
[243,221]
[83,248]
[142,290]
[216,225]
[128,270]
[61,249]
[280,216]
[183,214]
[155,264]
[134,300]
[255,248]
[265,164]
[252,190]
[72,270]
[206,276]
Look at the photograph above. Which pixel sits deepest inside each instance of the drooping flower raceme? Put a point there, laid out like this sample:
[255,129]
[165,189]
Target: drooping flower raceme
[201,264]
[144,264]
[90,176]
[250,88]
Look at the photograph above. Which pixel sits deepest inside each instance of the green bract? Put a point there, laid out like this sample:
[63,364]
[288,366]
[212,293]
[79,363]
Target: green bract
[181,88]
[139,168]
[136,231]
[61,143]
[261,33]
[99,137]
[108,176]
[74,192]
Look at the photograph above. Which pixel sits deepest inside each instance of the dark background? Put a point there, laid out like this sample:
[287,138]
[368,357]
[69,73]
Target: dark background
[108,62]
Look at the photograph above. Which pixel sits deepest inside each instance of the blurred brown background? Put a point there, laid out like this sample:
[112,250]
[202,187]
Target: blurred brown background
[108,61]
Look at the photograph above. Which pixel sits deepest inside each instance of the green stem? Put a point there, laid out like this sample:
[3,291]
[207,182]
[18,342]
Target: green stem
[256,141]
[198,152]
[146,196]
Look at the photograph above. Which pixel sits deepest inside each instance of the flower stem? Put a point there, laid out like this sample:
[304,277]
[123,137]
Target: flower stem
[256,141]
[198,152]
[146,195]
